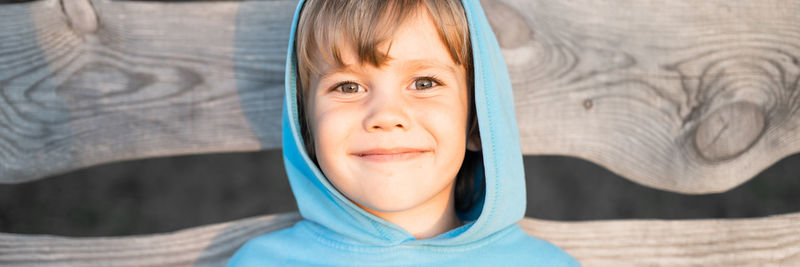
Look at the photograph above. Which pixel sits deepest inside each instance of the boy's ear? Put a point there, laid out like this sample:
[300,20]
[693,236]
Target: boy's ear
[473,131]
[474,142]
[474,137]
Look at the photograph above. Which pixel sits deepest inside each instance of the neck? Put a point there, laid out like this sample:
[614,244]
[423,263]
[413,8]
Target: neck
[432,218]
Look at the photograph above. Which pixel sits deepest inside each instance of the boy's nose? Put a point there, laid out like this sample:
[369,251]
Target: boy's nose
[387,115]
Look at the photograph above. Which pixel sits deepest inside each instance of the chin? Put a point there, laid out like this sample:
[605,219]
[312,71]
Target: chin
[389,205]
[401,200]
[392,189]
[386,205]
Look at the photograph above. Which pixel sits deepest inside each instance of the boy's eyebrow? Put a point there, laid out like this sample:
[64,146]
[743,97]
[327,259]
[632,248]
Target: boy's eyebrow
[332,71]
[419,64]
[409,65]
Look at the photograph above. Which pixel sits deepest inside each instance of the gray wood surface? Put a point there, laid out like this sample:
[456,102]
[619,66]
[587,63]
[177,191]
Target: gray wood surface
[687,96]
[769,241]
[210,245]
[125,80]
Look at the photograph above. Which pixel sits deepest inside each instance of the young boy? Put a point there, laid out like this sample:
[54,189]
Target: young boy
[382,146]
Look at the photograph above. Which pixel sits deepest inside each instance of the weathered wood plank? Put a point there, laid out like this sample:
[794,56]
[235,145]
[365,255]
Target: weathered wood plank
[734,242]
[126,80]
[767,241]
[686,96]
[210,245]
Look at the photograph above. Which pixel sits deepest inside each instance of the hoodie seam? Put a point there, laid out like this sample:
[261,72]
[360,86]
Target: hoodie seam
[480,39]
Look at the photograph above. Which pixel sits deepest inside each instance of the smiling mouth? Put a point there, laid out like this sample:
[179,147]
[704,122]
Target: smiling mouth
[394,154]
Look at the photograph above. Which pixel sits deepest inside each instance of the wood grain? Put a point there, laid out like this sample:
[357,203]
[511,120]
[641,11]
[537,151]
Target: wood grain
[686,96]
[766,241]
[210,245]
[769,241]
[141,79]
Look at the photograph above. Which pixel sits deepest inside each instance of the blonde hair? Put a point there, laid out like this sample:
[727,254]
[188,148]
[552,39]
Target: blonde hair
[327,26]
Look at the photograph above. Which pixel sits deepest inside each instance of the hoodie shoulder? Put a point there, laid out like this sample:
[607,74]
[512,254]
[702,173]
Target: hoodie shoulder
[273,249]
[526,250]
[259,251]
[294,246]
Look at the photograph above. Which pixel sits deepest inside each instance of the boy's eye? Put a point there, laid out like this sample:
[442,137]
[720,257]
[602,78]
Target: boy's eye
[424,83]
[348,87]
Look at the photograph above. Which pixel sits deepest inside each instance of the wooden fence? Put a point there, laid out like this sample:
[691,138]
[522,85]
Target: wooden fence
[686,96]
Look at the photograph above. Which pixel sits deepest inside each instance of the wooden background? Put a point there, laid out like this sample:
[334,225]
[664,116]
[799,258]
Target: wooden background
[687,96]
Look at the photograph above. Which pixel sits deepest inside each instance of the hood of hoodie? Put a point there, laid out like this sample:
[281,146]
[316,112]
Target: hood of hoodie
[501,203]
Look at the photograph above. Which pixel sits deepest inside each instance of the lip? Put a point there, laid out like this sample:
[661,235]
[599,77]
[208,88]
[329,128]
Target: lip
[390,154]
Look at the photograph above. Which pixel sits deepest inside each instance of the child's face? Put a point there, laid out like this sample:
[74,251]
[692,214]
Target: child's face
[392,138]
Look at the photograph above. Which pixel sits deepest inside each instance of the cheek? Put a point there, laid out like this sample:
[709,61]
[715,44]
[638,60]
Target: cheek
[331,127]
[446,122]
[446,117]
[447,125]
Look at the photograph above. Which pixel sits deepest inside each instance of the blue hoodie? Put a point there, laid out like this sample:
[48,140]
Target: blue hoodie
[336,232]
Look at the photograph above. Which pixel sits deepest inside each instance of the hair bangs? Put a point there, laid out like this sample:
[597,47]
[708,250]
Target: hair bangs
[327,27]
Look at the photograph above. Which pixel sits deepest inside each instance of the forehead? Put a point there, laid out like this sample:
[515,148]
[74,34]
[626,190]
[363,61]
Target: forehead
[415,44]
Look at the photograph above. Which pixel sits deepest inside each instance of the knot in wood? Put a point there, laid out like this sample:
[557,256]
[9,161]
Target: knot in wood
[587,104]
[80,14]
[729,131]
